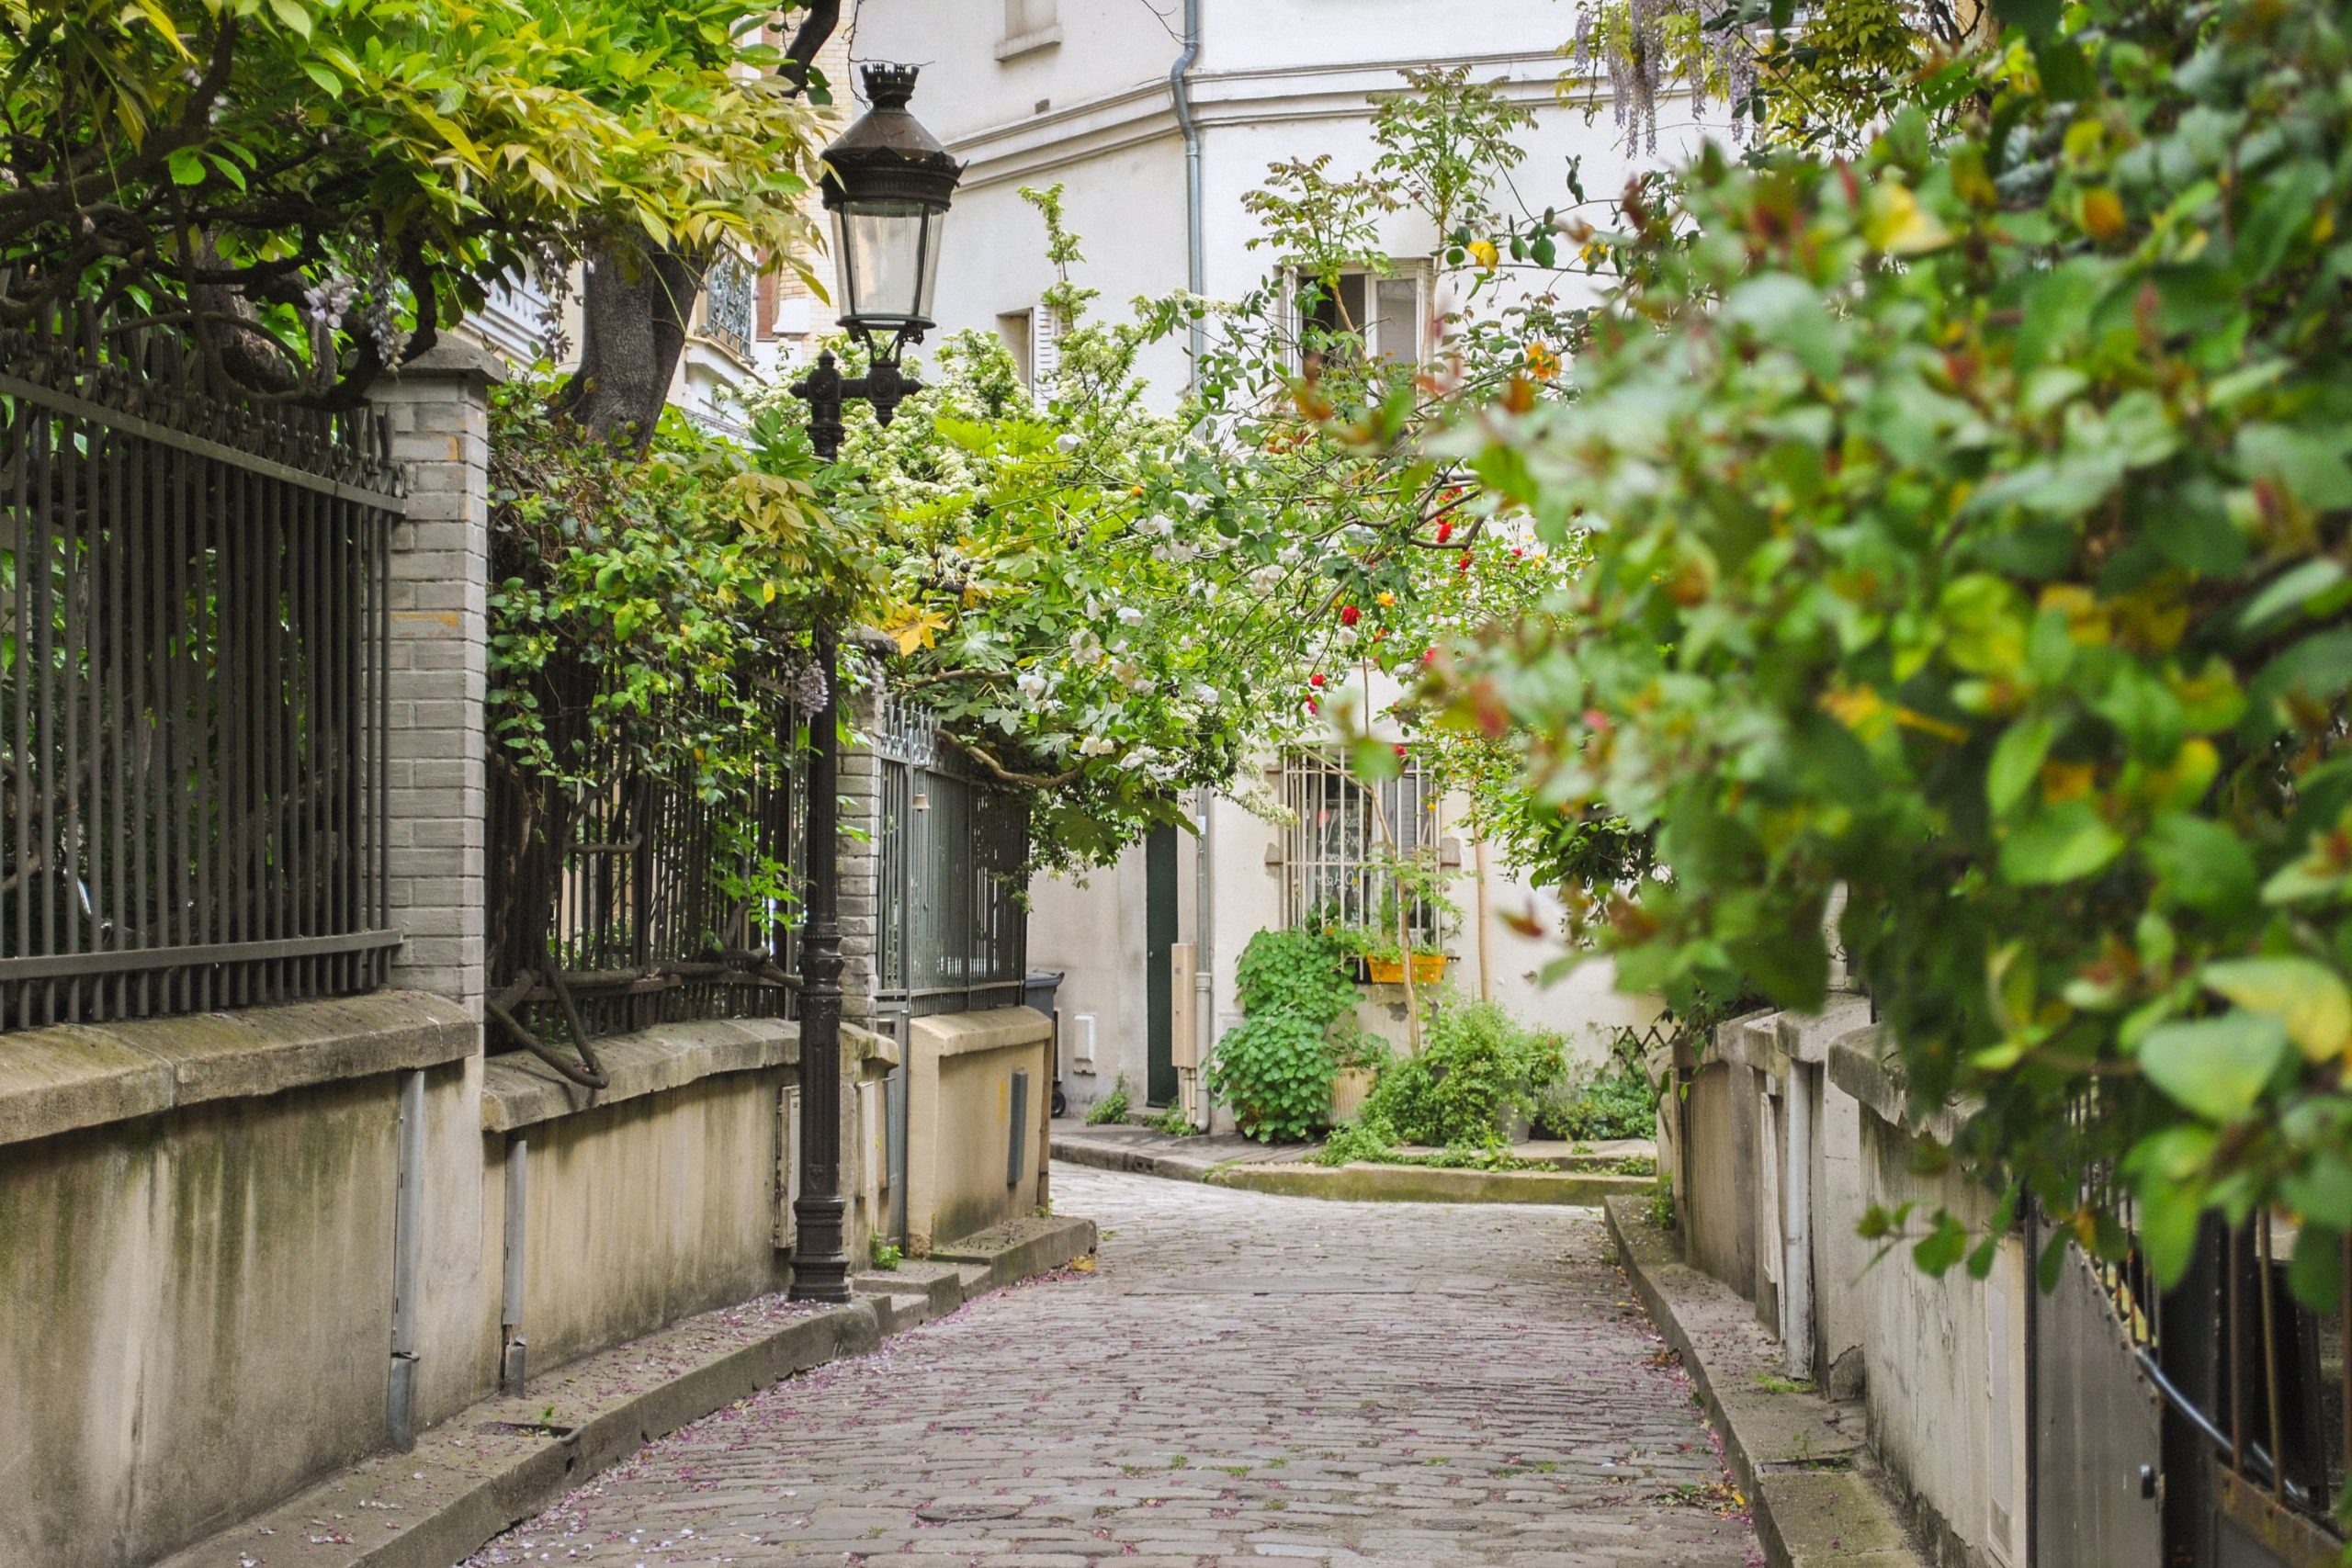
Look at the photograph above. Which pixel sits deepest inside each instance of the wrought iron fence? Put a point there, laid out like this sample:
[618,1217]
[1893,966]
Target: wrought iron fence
[954,936]
[192,699]
[634,901]
[2256,1386]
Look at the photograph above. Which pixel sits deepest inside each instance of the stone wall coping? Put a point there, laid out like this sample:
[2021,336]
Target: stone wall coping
[1862,1063]
[519,1091]
[944,1034]
[71,1076]
[1768,1041]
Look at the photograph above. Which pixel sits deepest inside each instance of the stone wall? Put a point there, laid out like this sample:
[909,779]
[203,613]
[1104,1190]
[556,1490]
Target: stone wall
[1938,1364]
[960,1120]
[196,1243]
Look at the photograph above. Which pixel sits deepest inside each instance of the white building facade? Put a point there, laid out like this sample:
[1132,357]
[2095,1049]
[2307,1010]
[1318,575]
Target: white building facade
[1158,116]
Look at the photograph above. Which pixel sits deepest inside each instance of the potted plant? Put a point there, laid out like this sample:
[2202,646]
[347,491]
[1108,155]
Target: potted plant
[1390,942]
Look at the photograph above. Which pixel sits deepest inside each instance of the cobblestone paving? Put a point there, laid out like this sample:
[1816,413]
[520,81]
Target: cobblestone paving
[1416,1386]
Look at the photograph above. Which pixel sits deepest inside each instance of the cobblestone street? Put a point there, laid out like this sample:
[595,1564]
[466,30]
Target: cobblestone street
[1246,1378]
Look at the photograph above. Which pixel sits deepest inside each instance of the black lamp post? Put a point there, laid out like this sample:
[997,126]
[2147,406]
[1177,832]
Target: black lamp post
[888,186]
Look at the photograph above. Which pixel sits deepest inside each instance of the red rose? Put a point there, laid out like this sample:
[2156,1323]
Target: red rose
[1463,564]
[1400,749]
[1315,681]
[1349,614]
[1444,529]
[1429,656]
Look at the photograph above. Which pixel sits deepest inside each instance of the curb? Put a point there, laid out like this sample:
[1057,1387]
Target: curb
[1430,1184]
[474,1476]
[1134,1162]
[1363,1183]
[1790,1451]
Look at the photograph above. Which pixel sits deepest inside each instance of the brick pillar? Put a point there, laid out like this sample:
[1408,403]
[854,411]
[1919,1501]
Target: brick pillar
[439,408]
[861,846]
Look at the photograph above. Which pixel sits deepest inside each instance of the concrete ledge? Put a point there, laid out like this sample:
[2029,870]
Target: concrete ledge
[1797,1457]
[1863,1063]
[488,1468]
[520,1090]
[961,1034]
[1429,1184]
[940,1284]
[85,1075]
[1018,1248]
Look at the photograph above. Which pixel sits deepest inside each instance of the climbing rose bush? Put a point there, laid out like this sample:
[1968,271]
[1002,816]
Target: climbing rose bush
[1967,526]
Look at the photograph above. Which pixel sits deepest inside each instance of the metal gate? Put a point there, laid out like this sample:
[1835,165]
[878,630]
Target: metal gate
[952,935]
[2097,1429]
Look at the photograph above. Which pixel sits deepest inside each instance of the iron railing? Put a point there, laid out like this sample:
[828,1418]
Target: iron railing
[953,935]
[634,901]
[192,641]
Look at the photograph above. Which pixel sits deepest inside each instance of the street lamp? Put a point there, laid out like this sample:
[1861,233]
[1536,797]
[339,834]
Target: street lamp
[888,184]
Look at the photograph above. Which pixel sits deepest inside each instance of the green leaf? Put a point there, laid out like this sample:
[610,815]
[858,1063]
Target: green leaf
[2315,1274]
[187,166]
[2312,467]
[2199,863]
[2216,1067]
[1942,1247]
[2309,999]
[2060,843]
[2017,759]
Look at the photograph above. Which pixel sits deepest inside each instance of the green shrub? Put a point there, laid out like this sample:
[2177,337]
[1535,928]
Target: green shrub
[1476,1063]
[1616,1102]
[1293,971]
[1276,1071]
[1112,1107]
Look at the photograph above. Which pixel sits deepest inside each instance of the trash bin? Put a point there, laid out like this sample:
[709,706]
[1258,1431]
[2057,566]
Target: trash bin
[1038,991]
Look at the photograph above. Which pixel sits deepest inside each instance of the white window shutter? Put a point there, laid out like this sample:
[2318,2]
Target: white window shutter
[1044,345]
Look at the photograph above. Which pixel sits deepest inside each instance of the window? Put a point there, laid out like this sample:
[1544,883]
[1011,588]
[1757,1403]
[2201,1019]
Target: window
[1384,317]
[1029,25]
[1337,851]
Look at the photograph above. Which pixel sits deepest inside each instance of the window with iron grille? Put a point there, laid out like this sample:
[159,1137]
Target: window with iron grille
[730,304]
[1344,838]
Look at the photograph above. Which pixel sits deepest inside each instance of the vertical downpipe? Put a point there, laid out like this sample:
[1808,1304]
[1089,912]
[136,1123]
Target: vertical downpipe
[513,1366]
[408,1245]
[1203,959]
[1796,1226]
[1180,88]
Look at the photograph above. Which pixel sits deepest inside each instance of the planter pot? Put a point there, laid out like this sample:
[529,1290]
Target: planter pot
[1347,1092]
[1429,969]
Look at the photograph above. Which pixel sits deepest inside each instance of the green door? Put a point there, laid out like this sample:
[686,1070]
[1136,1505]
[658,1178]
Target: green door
[1159,936]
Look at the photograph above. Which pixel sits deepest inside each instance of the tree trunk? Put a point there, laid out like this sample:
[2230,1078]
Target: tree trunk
[635,310]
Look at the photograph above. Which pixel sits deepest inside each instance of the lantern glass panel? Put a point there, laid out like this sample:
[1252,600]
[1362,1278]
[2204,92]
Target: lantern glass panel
[889,253]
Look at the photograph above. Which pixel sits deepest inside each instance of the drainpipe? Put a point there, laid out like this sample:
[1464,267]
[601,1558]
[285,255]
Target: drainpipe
[1195,279]
[1195,268]
[1796,1225]
[512,1368]
[408,1245]
[1204,954]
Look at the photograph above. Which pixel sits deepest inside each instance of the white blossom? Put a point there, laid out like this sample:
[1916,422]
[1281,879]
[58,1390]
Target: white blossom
[1096,746]
[1067,443]
[1129,615]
